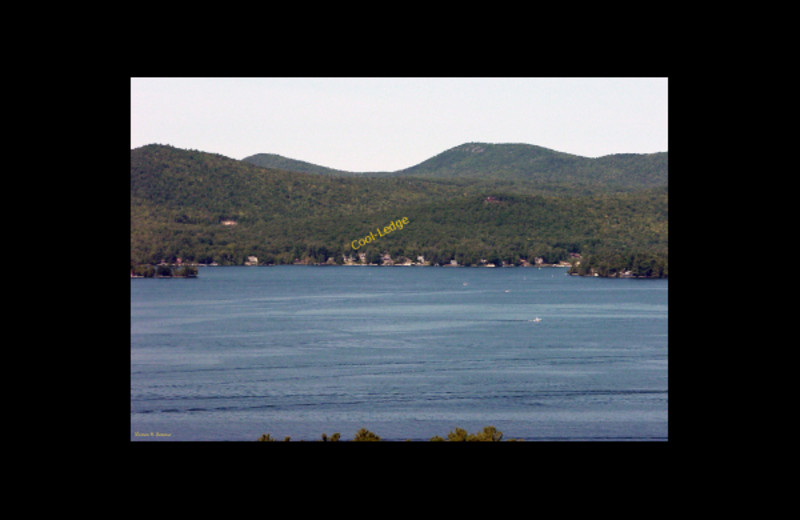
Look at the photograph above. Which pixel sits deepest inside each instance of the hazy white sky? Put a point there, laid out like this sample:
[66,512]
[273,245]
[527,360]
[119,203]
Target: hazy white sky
[387,124]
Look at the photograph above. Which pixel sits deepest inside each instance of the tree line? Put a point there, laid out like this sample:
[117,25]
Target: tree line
[641,264]
[163,271]
[487,434]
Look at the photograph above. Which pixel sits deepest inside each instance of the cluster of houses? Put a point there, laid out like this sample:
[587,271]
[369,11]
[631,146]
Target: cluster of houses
[386,259]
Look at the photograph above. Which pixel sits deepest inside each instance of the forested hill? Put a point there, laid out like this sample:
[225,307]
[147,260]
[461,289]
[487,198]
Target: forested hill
[533,163]
[278,162]
[512,162]
[204,208]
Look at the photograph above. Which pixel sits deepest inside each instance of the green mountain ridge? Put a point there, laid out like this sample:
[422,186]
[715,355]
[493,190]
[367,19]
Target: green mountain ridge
[279,162]
[509,161]
[204,207]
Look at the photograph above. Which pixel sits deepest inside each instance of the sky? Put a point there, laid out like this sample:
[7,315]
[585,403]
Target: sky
[388,124]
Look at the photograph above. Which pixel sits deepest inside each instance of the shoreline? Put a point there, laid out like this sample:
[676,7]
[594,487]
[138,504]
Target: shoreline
[389,265]
[619,275]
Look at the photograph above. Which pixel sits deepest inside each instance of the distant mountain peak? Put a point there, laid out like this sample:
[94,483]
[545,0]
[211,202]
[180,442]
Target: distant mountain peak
[472,147]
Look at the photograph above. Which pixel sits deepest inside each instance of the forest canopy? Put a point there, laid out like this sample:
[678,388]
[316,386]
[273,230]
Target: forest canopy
[610,214]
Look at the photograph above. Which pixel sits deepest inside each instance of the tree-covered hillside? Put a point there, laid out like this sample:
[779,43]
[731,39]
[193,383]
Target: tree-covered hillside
[206,208]
[523,163]
[278,162]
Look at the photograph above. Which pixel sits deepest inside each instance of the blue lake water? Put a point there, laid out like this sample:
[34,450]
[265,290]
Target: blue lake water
[406,352]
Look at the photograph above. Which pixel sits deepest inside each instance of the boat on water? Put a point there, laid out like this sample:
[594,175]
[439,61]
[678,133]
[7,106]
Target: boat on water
[537,319]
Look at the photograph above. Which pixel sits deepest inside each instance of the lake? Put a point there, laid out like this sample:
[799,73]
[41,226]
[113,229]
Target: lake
[405,352]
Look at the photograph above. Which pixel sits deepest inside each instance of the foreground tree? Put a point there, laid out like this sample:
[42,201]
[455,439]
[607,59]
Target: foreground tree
[488,434]
[364,435]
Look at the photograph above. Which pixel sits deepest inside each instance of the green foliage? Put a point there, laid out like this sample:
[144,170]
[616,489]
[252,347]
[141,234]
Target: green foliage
[145,271]
[268,438]
[364,435]
[278,162]
[187,271]
[457,435]
[525,162]
[488,434]
[163,271]
[207,208]
[509,162]
[623,263]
